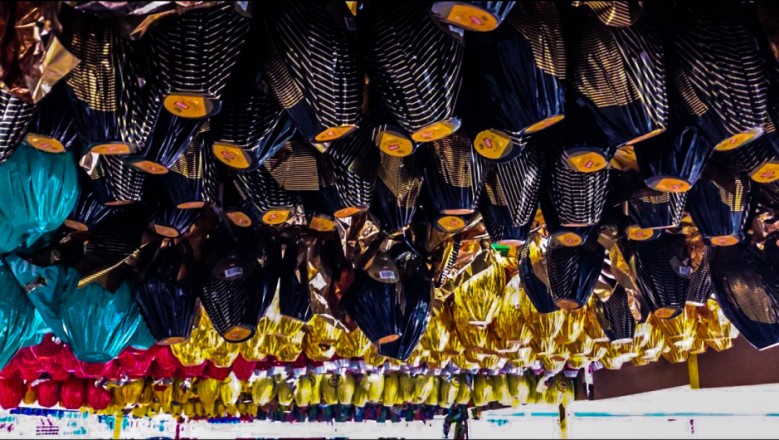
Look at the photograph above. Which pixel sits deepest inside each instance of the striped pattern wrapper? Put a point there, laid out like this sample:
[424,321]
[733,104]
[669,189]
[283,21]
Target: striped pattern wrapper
[413,314]
[577,198]
[89,211]
[415,66]
[516,185]
[513,77]
[618,70]
[453,175]
[479,16]
[722,82]
[313,67]
[251,127]
[171,222]
[15,116]
[192,180]
[398,185]
[615,318]
[656,211]
[746,289]
[719,205]
[534,287]
[294,296]
[673,160]
[573,272]
[114,183]
[194,54]
[258,187]
[347,173]
[53,128]
[700,288]
[240,284]
[101,87]
[168,306]
[658,264]
[565,235]
[373,306]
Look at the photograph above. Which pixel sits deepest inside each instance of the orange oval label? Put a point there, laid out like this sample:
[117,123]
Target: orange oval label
[569,239]
[239,219]
[766,173]
[670,184]
[110,149]
[725,240]
[78,226]
[493,144]
[44,143]
[739,140]
[471,18]
[166,231]
[545,123]
[191,205]
[639,234]
[450,223]
[333,133]
[231,155]
[321,223]
[587,162]
[348,211]
[394,144]
[275,217]
[436,130]
[237,333]
[188,106]
[150,167]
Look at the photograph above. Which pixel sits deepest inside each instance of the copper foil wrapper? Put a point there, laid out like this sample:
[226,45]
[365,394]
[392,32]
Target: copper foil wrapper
[32,59]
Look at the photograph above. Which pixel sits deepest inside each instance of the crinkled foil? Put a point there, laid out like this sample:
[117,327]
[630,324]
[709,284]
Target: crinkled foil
[33,60]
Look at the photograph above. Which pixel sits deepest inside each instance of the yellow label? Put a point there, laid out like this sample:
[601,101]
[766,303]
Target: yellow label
[569,239]
[387,339]
[587,162]
[321,223]
[150,167]
[119,202]
[275,217]
[766,173]
[545,123]
[625,159]
[78,226]
[394,144]
[348,212]
[450,223]
[172,340]
[188,106]
[639,234]
[436,130]
[492,144]
[511,242]
[665,312]
[333,133]
[110,149]
[725,240]
[567,304]
[239,219]
[44,143]
[190,205]
[231,155]
[669,184]
[645,136]
[237,333]
[166,231]
[738,140]
[471,18]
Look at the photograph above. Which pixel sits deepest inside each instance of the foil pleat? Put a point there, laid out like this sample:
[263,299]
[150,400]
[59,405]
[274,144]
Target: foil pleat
[15,116]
